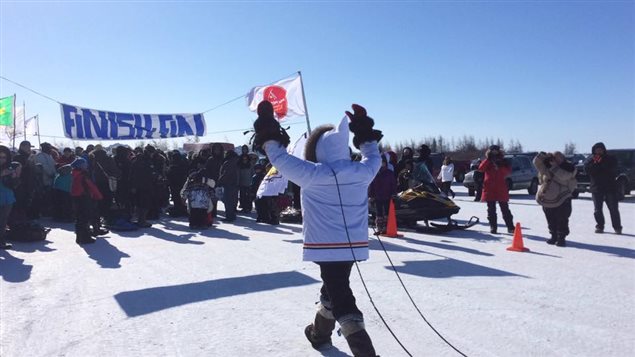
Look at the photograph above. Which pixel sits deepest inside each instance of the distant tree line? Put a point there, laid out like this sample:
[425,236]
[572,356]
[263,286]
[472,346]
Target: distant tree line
[462,148]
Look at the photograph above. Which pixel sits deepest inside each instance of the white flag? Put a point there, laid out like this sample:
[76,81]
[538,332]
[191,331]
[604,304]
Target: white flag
[274,183]
[30,126]
[285,95]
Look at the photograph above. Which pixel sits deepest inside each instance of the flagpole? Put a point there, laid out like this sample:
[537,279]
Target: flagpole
[306,111]
[24,117]
[13,121]
[38,130]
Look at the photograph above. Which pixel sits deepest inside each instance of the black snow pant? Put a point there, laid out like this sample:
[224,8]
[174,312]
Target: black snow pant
[611,202]
[230,200]
[179,207]
[336,288]
[143,202]
[198,218]
[382,207]
[262,209]
[558,219]
[507,214]
[446,187]
[85,215]
[245,198]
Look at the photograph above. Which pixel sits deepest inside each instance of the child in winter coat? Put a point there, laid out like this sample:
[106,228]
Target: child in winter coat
[198,192]
[380,191]
[334,212]
[85,195]
[557,182]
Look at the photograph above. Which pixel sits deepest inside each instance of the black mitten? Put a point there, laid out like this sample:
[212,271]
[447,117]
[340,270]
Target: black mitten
[362,126]
[266,128]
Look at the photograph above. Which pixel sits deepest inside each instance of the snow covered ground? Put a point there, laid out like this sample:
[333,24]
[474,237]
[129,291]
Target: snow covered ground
[242,290]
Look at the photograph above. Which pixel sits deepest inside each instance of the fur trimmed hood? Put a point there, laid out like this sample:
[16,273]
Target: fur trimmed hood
[328,143]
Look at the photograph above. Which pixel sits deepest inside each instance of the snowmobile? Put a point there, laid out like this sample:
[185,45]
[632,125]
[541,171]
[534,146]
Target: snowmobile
[425,202]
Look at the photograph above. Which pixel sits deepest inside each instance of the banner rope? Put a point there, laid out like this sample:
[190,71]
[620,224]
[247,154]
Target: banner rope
[203,112]
[141,128]
[29,89]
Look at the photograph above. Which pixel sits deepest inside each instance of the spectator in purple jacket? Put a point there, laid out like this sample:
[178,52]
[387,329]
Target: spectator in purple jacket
[381,190]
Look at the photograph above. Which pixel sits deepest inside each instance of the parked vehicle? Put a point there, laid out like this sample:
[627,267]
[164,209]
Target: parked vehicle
[625,173]
[524,175]
[576,159]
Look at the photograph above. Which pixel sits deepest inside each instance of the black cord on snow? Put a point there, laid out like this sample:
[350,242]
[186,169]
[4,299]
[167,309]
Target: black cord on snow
[411,300]
[360,272]
[398,277]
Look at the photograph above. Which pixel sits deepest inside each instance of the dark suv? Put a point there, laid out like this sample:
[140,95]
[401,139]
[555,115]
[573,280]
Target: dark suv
[524,175]
[625,173]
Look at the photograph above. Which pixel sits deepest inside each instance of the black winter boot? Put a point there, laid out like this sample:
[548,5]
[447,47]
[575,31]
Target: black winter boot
[319,332]
[99,232]
[83,237]
[357,337]
[360,344]
[552,240]
[561,242]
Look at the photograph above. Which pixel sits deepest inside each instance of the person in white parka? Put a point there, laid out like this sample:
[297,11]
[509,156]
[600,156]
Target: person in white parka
[335,212]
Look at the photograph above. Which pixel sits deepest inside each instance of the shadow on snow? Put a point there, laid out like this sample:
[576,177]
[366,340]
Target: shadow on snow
[448,268]
[13,269]
[146,301]
[616,251]
[105,254]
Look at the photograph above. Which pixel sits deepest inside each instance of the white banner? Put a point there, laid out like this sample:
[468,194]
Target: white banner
[285,95]
[81,123]
[274,183]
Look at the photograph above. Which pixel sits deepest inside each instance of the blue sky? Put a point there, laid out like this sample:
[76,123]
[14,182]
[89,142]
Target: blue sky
[543,73]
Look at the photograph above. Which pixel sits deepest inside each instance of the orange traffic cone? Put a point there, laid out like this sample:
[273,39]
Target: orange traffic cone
[517,243]
[391,228]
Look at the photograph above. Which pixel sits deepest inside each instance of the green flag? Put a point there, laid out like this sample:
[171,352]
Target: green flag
[6,110]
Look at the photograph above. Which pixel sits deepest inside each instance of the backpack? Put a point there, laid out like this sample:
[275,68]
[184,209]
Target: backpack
[27,232]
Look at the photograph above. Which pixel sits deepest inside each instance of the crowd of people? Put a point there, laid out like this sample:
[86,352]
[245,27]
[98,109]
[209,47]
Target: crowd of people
[125,189]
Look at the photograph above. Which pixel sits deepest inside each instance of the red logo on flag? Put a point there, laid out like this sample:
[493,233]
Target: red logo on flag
[277,96]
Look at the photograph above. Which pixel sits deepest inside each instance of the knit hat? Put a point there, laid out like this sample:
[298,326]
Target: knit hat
[265,109]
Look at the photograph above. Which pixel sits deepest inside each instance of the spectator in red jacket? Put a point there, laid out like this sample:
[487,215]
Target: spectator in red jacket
[85,195]
[495,189]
